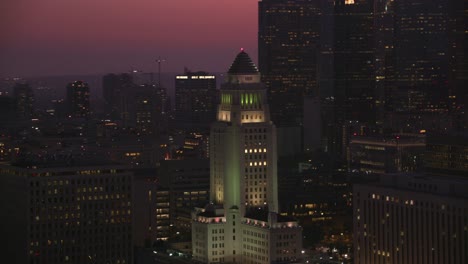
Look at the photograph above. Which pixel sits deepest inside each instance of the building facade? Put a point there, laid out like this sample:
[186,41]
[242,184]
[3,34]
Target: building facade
[288,53]
[24,100]
[59,213]
[195,98]
[78,99]
[447,154]
[188,183]
[379,154]
[421,74]
[288,42]
[411,219]
[137,102]
[242,224]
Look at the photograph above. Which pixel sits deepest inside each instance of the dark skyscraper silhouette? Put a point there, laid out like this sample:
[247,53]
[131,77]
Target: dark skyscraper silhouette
[114,86]
[288,48]
[354,61]
[136,102]
[195,98]
[384,16]
[24,100]
[78,99]
[420,68]
[353,71]
[421,55]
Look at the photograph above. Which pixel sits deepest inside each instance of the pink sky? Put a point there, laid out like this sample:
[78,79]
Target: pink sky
[55,37]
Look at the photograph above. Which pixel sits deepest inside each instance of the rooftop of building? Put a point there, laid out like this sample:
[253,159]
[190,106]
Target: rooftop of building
[210,214]
[262,215]
[78,83]
[60,160]
[243,64]
[390,140]
[437,184]
[199,73]
[212,210]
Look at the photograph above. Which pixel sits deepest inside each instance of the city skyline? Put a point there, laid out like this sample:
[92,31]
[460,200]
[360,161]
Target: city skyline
[95,37]
[143,131]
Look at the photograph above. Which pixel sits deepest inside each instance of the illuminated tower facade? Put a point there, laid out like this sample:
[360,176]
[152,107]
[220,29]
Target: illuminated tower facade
[241,224]
[246,135]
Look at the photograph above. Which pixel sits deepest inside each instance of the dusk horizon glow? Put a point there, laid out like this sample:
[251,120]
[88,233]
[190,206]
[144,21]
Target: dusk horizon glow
[52,37]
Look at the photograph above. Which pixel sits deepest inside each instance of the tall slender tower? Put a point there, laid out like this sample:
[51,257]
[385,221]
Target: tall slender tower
[241,224]
[245,138]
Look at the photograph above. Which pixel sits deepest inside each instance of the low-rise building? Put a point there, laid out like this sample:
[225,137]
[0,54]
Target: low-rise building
[67,211]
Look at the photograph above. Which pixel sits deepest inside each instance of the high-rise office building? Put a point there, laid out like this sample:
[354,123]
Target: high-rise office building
[288,50]
[421,55]
[420,64]
[195,98]
[288,39]
[78,99]
[409,218]
[384,16]
[347,70]
[353,51]
[24,100]
[7,108]
[242,224]
[142,108]
[323,49]
[458,74]
[66,212]
[136,102]
[114,87]
[420,84]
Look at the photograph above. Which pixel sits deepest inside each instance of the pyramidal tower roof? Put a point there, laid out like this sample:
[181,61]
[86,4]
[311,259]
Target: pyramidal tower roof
[243,65]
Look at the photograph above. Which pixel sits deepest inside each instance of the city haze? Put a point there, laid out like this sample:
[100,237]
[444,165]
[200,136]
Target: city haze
[49,37]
